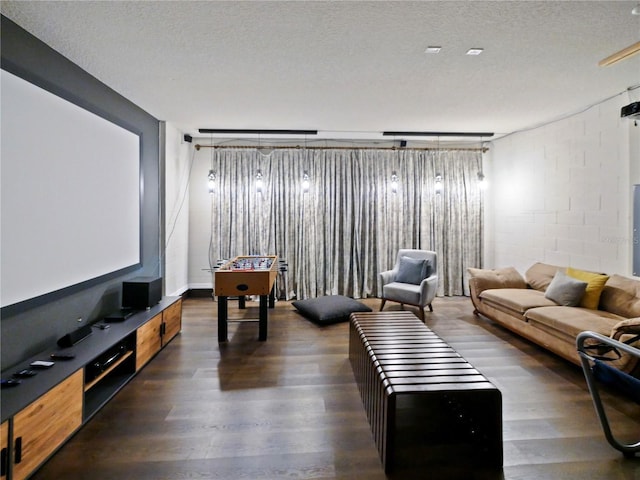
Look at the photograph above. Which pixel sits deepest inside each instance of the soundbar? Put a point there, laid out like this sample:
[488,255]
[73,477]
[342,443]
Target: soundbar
[74,337]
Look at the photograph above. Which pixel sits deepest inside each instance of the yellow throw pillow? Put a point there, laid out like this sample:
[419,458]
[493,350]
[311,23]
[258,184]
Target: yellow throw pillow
[595,284]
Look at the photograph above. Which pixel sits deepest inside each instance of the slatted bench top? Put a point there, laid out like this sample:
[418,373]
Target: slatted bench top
[411,356]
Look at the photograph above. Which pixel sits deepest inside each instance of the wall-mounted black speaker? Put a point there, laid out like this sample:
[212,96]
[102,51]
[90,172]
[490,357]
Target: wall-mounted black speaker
[141,293]
[74,337]
[188,138]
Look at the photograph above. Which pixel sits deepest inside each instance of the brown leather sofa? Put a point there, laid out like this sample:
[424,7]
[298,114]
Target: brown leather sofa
[520,305]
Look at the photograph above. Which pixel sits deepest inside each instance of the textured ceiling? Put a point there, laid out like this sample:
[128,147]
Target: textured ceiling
[348,69]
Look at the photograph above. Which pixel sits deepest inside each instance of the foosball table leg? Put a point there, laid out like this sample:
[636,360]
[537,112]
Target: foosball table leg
[272,297]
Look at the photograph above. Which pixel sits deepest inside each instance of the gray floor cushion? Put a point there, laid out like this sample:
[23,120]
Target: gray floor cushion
[329,309]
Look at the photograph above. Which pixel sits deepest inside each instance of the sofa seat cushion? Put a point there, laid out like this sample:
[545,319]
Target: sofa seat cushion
[568,322]
[517,300]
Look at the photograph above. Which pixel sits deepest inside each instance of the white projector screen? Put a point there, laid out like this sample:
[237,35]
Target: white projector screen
[70,193]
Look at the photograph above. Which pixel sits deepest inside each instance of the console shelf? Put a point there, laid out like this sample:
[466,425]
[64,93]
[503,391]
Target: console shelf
[95,381]
[107,386]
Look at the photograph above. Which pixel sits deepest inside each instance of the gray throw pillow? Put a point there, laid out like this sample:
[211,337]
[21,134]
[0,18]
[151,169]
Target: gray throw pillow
[412,270]
[565,290]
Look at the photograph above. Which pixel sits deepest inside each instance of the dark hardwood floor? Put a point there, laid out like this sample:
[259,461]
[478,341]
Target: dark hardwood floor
[289,408]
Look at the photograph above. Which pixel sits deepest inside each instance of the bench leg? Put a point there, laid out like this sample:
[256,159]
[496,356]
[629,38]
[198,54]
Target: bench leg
[222,319]
[263,318]
[384,300]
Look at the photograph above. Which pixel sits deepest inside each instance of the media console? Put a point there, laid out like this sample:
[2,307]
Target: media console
[44,410]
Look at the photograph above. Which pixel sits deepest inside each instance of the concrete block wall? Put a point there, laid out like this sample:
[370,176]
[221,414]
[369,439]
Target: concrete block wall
[561,193]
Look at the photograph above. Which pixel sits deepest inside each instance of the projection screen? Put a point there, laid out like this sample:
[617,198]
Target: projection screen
[70,193]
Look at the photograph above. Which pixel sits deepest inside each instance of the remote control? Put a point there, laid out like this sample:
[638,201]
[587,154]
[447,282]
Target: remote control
[25,373]
[9,383]
[63,356]
[42,364]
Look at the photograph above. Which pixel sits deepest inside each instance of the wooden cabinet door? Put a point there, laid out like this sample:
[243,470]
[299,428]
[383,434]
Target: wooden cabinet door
[172,318]
[148,341]
[40,428]
[4,448]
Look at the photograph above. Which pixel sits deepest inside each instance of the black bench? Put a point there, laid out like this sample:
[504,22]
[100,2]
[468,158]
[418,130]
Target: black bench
[425,403]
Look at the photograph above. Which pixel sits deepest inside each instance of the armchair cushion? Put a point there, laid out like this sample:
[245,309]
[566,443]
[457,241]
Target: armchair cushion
[412,270]
[329,309]
[403,292]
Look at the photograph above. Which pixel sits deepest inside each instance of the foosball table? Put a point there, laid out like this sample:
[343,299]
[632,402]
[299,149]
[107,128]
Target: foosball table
[242,276]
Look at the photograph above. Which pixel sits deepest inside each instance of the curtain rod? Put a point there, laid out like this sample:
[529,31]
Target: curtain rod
[285,147]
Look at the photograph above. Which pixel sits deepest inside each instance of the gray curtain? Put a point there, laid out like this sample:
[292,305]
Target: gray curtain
[349,225]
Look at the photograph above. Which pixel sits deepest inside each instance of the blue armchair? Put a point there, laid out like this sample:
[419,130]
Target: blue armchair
[413,280]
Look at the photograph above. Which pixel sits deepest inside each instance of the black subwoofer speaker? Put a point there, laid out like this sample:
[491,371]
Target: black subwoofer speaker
[141,293]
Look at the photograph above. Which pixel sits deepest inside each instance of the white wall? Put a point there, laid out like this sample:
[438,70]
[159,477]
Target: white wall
[200,222]
[561,193]
[177,166]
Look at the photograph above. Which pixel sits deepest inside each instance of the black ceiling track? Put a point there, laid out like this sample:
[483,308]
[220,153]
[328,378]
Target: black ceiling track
[438,134]
[231,131]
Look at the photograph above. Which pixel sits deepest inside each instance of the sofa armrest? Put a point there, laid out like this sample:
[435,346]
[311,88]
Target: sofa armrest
[630,326]
[483,279]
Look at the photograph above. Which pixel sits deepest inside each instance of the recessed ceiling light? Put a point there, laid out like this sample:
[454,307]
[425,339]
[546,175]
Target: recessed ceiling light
[475,51]
[433,50]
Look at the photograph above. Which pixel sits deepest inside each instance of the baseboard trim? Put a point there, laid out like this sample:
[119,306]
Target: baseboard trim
[199,293]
